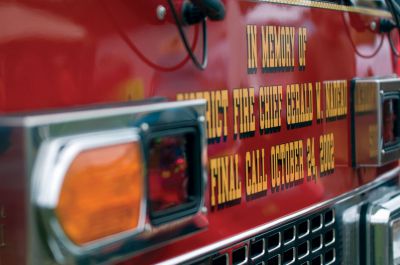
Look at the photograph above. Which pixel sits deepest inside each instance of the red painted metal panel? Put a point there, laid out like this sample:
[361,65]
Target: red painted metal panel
[71,53]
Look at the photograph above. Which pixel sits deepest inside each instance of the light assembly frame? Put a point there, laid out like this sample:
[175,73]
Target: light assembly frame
[367,97]
[51,140]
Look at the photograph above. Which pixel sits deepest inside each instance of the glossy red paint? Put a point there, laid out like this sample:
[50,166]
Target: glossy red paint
[61,54]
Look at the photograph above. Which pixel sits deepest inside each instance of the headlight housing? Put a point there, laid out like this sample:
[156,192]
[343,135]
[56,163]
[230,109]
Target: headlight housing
[383,230]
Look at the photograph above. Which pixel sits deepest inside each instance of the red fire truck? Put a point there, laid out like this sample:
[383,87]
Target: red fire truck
[199,132]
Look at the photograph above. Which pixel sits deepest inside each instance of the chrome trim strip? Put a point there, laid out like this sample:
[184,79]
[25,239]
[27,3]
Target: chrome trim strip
[262,228]
[90,114]
[329,6]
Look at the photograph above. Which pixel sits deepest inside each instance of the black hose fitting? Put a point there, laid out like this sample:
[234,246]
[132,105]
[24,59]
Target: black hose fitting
[386,25]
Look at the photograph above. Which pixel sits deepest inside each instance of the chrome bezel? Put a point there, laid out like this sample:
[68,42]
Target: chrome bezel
[379,87]
[392,221]
[380,216]
[54,158]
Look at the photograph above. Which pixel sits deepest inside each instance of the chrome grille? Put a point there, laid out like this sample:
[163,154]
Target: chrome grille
[310,240]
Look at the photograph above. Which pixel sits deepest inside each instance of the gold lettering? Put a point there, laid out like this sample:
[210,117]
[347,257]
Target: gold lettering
[256,179]
[327,155]
[225,181]
[287,165]
[252,48]
[302,47]
[244,117]
[277,47]
[336,98]
[299,103]
[216,111]
[270,101]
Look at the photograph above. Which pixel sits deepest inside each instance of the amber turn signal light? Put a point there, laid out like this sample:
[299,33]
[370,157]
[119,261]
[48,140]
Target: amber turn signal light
[101,193]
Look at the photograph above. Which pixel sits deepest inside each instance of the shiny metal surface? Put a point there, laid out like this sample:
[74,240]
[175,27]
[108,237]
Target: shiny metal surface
[380,217]
[346,201]
[368,96]
[351,231]
[52,140]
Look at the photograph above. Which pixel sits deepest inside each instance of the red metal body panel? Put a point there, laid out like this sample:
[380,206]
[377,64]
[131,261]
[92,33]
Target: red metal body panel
[57,54]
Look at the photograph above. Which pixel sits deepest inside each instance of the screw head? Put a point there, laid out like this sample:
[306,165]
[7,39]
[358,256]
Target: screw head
[372,26]
[144,127]
[147,227]
[161,12]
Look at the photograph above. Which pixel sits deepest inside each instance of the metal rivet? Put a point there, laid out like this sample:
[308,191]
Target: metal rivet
[147,227]
[204,209]
[161,12]
[44,132]
[372,26]
[201,118]
[144,127]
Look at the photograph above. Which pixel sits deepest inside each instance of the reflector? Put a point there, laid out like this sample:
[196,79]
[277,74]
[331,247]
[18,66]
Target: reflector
[168,172]
[174,174]
[389,117]
[101,193]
